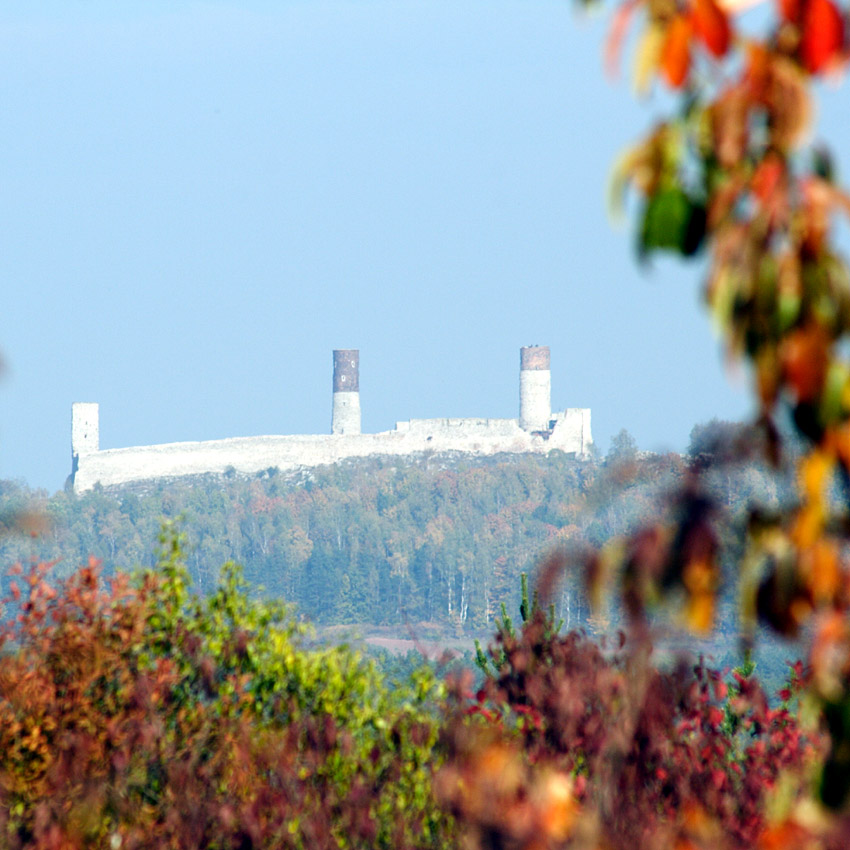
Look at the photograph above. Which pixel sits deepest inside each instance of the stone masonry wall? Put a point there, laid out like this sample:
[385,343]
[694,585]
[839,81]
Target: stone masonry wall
[249,455]
[345,415]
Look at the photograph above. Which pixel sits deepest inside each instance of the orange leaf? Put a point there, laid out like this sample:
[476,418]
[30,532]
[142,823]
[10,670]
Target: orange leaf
[825,578]
[828,655]
[557,807]
[699,613]
[783,836]
[814,471]
[823,34]
[711,24]
[676,51]
[758,67]
[808,525]
[784,93]
[840,439]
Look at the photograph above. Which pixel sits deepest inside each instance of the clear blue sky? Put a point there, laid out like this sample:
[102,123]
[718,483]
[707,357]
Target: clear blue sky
[200,200]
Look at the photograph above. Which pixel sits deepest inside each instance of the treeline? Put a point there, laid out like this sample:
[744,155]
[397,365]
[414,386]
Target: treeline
[438,539]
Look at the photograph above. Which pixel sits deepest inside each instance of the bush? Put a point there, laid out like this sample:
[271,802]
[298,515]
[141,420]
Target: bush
[568,741]
[134,714]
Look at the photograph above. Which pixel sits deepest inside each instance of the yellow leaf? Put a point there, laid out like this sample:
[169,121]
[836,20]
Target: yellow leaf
[622,175]
[647,58]
[700,580]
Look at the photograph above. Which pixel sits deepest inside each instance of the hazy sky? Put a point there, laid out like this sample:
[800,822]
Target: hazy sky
[200,200]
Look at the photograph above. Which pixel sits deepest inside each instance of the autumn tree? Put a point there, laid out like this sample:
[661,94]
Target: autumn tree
[731,173]
[732,170]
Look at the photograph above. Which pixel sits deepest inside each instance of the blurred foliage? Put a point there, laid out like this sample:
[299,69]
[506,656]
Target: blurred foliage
[731,170]
[136,714]
[570,743]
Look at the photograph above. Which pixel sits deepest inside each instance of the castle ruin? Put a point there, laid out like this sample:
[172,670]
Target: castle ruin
[537,430]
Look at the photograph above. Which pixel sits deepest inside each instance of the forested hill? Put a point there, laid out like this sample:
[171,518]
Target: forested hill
[436,539]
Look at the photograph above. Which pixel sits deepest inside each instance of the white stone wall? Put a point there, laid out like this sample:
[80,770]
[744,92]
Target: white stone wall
[346,413]
[480,428]
[85,428]
[571,431]
[535,399]
[249,455]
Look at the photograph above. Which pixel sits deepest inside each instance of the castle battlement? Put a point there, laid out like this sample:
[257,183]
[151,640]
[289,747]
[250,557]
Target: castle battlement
[537,430]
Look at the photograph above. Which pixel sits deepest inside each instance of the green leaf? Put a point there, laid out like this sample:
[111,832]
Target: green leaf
[832,399]
[672,221]
[787,310]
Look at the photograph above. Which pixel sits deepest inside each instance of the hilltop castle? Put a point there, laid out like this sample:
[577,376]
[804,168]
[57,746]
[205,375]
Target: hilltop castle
[537,430]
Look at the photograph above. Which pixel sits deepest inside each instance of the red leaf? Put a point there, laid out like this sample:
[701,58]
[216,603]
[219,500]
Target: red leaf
[617,34]
[712,26]
[766,177]
[823,34]
[790,10]
[805,358]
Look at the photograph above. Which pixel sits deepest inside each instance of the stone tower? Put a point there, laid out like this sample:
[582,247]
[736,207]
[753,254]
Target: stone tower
[85,430]
[346,404]
[535,388]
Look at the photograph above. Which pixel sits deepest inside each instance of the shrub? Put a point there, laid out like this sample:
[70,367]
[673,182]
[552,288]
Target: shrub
[568,741]
[134,714]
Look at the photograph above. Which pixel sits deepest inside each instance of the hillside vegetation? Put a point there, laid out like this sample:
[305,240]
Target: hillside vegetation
[440,539]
